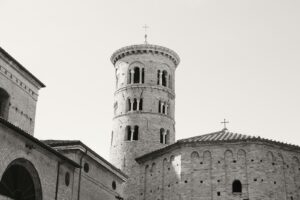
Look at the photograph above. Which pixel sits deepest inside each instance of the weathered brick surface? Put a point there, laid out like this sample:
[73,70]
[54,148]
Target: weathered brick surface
[268,172]
[149,120]
[23,95]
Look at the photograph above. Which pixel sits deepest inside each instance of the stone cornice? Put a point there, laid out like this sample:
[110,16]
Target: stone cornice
[139,113]
[21,69]
[145,49]
[254,140]
[132,86]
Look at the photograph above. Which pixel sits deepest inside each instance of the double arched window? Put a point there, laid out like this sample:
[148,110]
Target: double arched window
[132,133]
[136,75]
[163,107]
[134,104]
[163,78]
[4,103]
[164,136]
[237,186]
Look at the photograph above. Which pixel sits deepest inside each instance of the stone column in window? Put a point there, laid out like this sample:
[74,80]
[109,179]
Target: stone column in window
[166,109]
[138,104]
[140,76]
[161,107]
[132,76]
[167,80]
[132,132]
[160,77]
[132,101]
[164,137]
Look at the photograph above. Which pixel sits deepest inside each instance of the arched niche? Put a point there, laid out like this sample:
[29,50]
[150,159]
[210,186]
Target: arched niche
[20,181]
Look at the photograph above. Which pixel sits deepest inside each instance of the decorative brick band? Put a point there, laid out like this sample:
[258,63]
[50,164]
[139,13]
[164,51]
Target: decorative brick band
[145,49]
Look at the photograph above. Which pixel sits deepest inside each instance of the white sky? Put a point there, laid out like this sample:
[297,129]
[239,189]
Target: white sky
[239,60]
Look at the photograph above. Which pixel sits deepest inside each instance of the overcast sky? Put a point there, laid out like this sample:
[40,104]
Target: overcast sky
[239,60]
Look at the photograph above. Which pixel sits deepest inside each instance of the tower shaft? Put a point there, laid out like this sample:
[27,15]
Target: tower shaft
[144,106]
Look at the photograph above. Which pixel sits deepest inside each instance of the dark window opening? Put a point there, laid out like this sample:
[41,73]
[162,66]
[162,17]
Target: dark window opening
[4,103]
[67,179]
[86,167]
[159,108]
[237,186]
[167,137]
[134,104]
[162,135]
[136,133]
[136,76]
[164,78]
[114,185]
[141,104]
[129,104]
[158,77]
[128,133]
[143,75]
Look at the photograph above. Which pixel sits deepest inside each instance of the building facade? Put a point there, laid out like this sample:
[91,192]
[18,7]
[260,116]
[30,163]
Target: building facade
[220,165]
[31,169]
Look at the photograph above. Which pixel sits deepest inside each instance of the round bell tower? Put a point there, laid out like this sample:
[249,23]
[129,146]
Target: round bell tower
[144,106]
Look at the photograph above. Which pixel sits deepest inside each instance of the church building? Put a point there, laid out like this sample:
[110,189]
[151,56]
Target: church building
[146,161]
[220,165]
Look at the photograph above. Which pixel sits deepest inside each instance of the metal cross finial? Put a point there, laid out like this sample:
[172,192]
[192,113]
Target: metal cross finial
[145,27]
[225,122]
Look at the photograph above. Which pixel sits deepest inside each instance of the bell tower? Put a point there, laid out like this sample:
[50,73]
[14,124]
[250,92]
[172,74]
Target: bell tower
[144,106]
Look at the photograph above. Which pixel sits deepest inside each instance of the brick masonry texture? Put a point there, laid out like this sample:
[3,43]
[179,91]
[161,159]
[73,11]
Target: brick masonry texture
[207,171]
[149,120]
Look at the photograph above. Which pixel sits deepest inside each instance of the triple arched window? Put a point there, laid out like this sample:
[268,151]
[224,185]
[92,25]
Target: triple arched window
[135,104]
[132,133]
[4,103]
[136,75]
[164,136]
[163,107]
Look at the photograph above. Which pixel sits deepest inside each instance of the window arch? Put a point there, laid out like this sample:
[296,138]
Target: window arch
[4,103]
[132,133]
[141,104]
[136,76]
[134,104]
[237,186]
[135,133]
[164,78]
[128,104]
[162,131]
[164,136]
[128,133]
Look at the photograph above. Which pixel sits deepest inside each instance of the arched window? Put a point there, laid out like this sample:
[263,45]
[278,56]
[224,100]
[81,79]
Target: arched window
[135,133]
[158,77]
[128,133]
[143,75]
[237,186]
[167,137]
[162,137]
[141,104]
[128,104]
[136,77]
[164,78]
[134,104]
[4,103]
[159,109]
[170,82]
[163,108]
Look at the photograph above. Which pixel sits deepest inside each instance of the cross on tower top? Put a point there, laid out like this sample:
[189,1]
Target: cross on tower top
[146,27]
[225,122]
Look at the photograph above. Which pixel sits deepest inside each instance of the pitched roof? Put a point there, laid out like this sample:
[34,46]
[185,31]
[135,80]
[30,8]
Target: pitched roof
[223,136]
[37,142]
[21,67]
[64,143]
